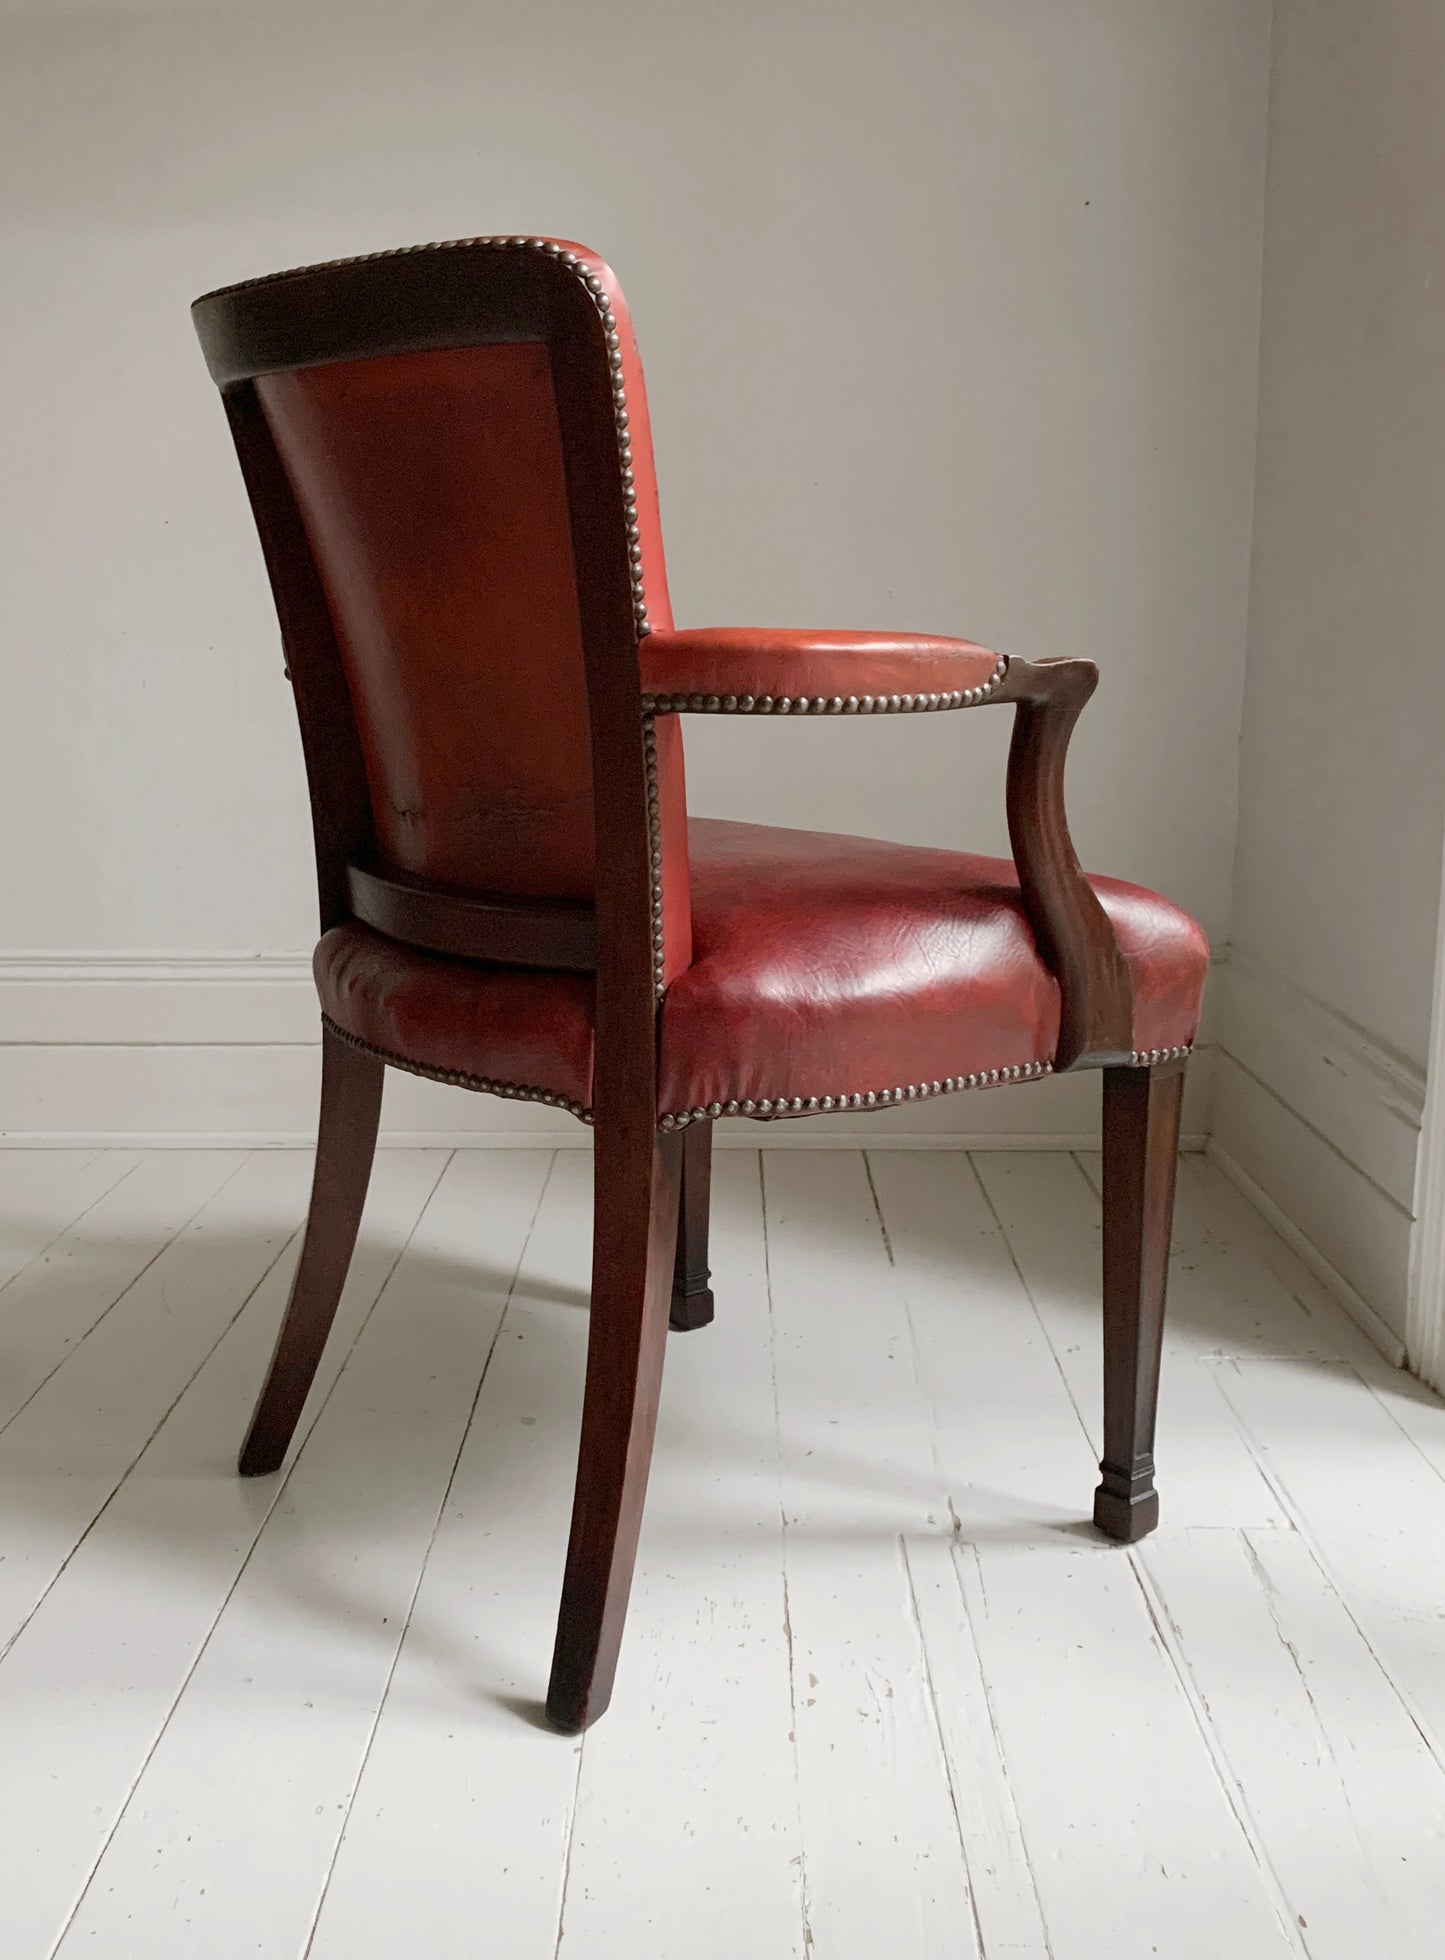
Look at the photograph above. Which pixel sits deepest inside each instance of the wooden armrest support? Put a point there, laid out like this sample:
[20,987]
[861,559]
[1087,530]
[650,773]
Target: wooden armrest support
[1073,929]
[751,672]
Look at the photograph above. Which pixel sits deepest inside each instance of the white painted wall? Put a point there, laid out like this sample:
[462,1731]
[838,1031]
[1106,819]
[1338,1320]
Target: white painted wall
[1342,793]
[950,313]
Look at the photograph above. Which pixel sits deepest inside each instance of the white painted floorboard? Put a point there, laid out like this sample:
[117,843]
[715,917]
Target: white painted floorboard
[89,1684]
[45,1191]
[884,1869]
[883,1693]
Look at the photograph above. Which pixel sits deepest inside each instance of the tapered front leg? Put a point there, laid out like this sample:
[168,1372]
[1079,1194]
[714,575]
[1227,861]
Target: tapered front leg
[351,1084]
[692,1301]
[636,1184]
[1141,1148]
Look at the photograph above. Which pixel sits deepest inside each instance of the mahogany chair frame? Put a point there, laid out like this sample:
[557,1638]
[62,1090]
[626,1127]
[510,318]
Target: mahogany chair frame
[649,1262]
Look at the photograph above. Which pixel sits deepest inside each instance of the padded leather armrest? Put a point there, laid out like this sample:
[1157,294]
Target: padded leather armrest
[744,670]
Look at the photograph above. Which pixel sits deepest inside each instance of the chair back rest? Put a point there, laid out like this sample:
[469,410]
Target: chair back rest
[450,464]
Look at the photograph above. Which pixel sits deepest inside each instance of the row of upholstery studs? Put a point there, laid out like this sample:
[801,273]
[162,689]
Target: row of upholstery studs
[595,286]
[820,704]
[654,849]
[871,1099]
[783,1106]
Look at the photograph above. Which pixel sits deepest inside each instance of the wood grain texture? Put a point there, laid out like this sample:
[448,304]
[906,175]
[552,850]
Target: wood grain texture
[474,925]
[351,1086]
[1341,1787]
[1074,933]
[1138,1847]
[634,1236]
[692,1299]
[1002,1881]
[1141,1155]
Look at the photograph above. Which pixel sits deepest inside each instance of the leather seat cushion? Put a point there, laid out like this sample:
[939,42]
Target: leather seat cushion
[823,966]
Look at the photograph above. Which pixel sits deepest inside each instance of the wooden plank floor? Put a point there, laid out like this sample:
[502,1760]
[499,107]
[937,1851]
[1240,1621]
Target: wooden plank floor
[883,1692]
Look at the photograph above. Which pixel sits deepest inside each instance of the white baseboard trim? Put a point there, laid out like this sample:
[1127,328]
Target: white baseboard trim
[1361,1096]
[765,1136]
[166,998]
[201,1050]
[1330,1277]
[1321,1125]
[1425,1314]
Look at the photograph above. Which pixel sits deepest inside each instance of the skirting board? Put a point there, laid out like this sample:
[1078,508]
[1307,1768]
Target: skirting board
[1425,1320]
[1330,1277]
[197,1050]
[1320,1125]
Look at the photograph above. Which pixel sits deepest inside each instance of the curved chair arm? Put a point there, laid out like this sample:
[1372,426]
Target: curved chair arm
[749,672]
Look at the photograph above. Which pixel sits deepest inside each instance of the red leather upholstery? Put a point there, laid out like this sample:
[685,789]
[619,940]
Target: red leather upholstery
[736,668]
[827,965]
[417,477]
[823,967]
[501,1027]
[432,490]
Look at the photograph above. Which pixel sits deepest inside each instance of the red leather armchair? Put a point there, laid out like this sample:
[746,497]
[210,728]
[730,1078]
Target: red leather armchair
[448,457]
